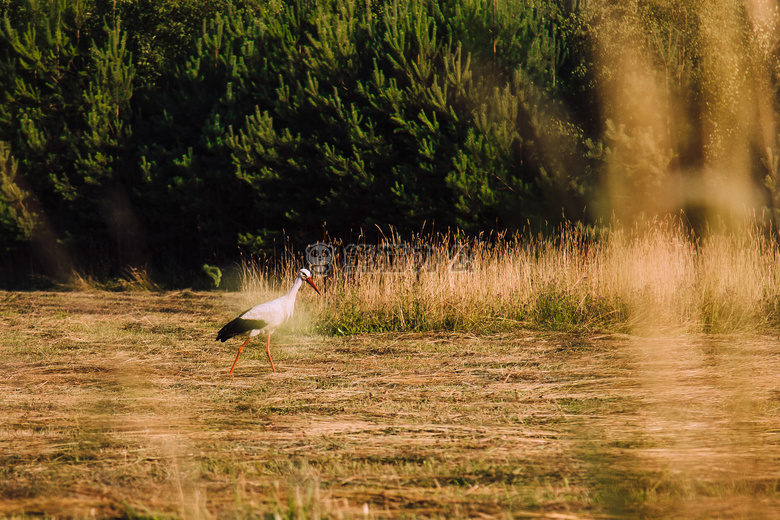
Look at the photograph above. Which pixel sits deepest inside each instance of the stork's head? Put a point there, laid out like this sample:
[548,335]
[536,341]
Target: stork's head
[305,275]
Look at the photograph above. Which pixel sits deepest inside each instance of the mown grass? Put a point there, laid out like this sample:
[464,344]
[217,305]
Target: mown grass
[118,405]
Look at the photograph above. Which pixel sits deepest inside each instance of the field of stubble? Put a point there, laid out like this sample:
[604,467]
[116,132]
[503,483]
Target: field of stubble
[119,405]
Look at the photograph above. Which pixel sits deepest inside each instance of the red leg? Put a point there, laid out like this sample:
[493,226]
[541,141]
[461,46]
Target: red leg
[241,348]
[268,351]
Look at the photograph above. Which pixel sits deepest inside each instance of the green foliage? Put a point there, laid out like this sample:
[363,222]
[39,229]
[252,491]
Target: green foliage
[222,125]
[641,159]
[17,221]
[171,134]
[213,272]
[65,105]
[347,113]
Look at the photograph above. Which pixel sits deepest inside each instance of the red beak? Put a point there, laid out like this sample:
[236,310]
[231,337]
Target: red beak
[314,286]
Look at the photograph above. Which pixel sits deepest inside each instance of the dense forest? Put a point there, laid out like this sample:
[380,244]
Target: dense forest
[165,134]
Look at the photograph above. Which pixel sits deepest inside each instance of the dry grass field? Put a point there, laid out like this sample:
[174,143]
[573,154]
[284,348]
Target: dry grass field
[119,405]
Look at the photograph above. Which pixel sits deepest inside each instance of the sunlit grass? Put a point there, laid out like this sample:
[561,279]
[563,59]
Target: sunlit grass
[652,278]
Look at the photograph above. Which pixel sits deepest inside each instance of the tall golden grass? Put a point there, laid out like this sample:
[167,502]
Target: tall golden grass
[651,278]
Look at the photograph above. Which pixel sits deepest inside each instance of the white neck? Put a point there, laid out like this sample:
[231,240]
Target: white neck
[294,289]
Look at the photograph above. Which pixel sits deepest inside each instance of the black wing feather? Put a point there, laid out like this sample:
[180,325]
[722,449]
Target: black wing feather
[239,326]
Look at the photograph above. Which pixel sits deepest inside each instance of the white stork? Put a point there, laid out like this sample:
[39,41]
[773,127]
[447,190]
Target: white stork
[266,317]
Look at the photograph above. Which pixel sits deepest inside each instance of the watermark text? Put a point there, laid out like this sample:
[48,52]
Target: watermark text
[389,258]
